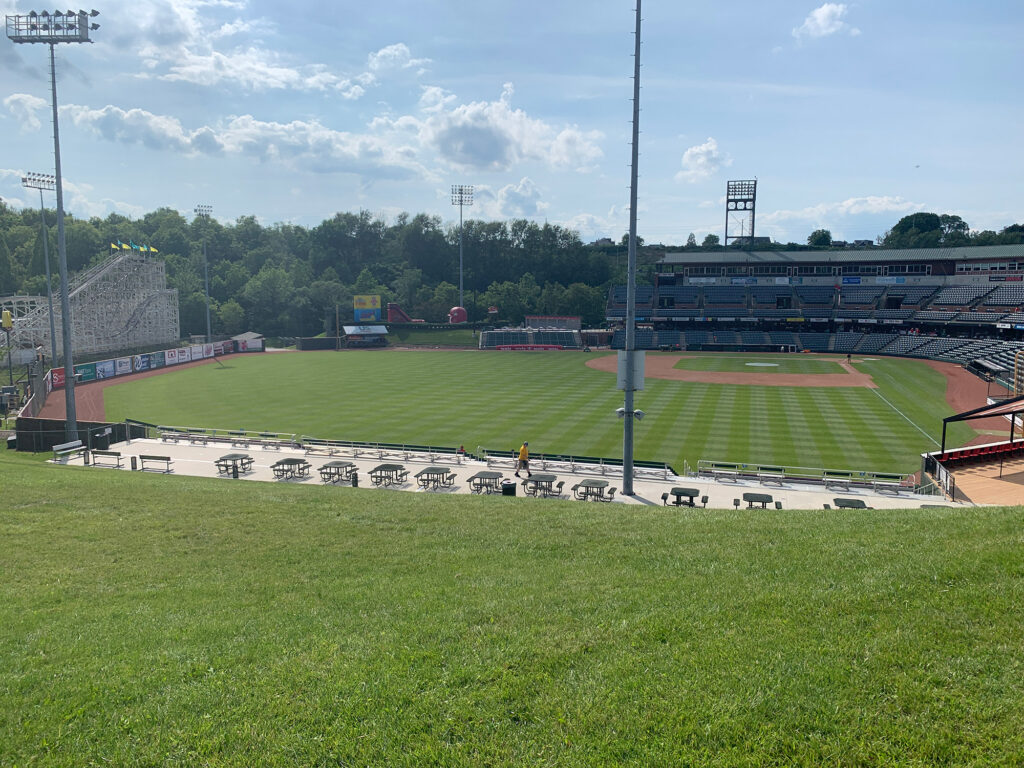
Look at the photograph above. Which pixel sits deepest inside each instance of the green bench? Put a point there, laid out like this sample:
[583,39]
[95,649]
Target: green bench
[107,458]
[165,460]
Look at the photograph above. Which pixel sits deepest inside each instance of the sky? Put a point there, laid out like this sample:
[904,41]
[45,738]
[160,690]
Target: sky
[850,115]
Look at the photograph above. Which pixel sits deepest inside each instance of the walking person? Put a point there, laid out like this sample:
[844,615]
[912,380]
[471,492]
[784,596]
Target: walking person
[524,460]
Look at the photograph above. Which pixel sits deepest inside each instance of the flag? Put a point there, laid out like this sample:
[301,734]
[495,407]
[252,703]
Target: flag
[133,245]
[123,246]
[113,247]
[153,250]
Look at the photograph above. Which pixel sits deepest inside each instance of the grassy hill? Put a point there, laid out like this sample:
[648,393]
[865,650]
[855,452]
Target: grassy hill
[149,619]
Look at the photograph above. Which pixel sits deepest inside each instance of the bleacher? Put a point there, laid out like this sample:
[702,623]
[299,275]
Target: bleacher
[846,341]
[934,316]
[733,295]
[817,342]
[912,295]
[1006,295]
[979,317]
[860,295]
[938,347]
[815,295]
[903,345]
[670,296]
[873,342]
[769,295]
[960,295]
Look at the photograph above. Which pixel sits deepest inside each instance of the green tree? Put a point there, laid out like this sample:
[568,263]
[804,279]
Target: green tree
[820,238]
[7,282]
[691,241]
[918,230]
[710,241]
[230,318]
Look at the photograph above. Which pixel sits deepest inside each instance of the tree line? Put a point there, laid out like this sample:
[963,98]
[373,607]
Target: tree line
[288,280]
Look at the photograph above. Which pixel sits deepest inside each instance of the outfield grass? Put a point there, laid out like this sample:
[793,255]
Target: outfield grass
[265,624]
[499,399]
[760,363]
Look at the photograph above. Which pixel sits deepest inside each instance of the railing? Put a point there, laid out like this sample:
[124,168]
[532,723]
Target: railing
[578,464]
[879,481]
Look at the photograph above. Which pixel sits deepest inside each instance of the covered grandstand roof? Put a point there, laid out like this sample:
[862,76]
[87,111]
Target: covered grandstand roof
[887,255]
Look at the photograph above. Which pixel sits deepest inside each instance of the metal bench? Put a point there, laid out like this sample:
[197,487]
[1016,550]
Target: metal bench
[107,458]
[165,460]
[67,449]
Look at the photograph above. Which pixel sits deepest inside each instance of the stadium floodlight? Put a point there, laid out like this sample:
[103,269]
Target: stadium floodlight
[629,383]
[203,212]
[44,181]
[75,29]
[462,194]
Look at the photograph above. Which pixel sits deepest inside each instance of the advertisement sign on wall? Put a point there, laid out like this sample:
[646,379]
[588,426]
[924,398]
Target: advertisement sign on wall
[106,369]
[366,308]
[85,372]
[58,377]
[197,352]
[851,281]
[184,355]
[123,365]
[171,357]
[156,359]
[141,362]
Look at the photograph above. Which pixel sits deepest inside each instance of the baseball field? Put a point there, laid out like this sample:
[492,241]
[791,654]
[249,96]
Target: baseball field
[795,410]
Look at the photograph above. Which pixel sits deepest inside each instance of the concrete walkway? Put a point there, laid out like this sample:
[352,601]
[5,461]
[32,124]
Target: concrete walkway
[648,485]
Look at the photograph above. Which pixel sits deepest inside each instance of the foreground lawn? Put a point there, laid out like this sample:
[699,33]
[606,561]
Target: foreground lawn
[178,621]
[497,400]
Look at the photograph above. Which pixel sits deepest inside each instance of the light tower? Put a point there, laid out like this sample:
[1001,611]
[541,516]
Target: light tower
[462,194]
[43,181]
[203,212]
[70,27]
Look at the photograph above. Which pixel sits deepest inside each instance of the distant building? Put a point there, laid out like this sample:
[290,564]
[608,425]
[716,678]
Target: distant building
[603,242]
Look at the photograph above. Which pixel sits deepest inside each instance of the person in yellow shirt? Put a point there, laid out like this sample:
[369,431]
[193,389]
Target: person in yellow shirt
[524,460]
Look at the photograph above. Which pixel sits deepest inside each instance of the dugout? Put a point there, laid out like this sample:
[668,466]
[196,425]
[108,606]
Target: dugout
[365,336]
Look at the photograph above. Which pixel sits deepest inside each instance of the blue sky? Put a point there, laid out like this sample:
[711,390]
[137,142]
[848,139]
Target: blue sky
[850,115]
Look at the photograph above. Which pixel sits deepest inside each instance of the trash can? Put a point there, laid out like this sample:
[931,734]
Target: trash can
[135,463]
[12,443]
[508,487]
[355,479]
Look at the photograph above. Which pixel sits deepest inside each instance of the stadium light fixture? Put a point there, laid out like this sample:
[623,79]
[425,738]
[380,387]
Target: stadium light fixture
[629,379]
[462,194]
[25,29]
[203,212]
[45,181]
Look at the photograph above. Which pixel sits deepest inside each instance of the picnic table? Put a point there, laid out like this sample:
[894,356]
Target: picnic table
[539,484]
[290,466]
[337,471]
[485,481]
[388,474]
[689,494]
[850,504]
[592,490]
[763,499]
[231,463]
[435,477]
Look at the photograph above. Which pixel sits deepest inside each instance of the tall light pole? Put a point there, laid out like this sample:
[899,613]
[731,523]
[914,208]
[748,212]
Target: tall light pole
[462,194]
[629,385]
[43,181]
[44,27]
[203,212]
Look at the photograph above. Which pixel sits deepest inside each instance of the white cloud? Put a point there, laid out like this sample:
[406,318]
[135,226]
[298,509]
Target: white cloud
[853,206]
[25,109]
[824,21]
[392,57]
[493,136]
[520,201]
[310,145]
[702,161]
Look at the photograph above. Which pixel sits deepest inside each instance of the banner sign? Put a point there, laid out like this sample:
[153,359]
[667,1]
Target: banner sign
[85,372]
[197,352]
[256,345]
[184,355]
[207,350]
[170,357]
[744,281]
[58,377]
[156,359]
[851,281]
[123,365]
[106,369]
[141,362]
[1005,278]
[782,281]
[366,307]
[886,280]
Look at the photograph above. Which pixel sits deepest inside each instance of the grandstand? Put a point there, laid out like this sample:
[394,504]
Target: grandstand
[956,304]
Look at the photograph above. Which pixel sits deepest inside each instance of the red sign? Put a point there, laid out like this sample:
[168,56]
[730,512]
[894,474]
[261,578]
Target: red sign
[58,377]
